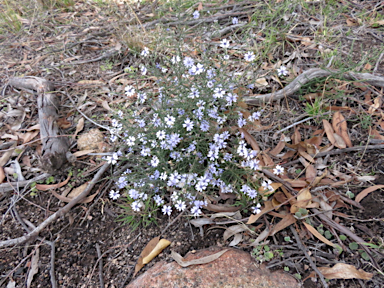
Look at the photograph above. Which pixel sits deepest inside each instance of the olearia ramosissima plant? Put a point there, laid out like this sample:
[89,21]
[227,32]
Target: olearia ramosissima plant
[181,141]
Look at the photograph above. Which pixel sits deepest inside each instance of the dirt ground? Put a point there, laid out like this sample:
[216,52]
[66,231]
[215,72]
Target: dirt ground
[64,38]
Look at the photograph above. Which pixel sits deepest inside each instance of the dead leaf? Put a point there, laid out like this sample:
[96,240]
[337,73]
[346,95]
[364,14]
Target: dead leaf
[79,127]
[34,267]
[339,124]
[200,7]
[339,142]
[150,251]
[267,207]
[366,191]
[204,260]
[279,147]
[82,153]
[221,208]
[250,139]
[318,235]
[303,200]
[329,131]
[261,237]
[261,82]
[232,230]
[310,171]
[236,240]
[74,193]
[45,187]
[287,221]
[343,271]
[7,155]
[2,174]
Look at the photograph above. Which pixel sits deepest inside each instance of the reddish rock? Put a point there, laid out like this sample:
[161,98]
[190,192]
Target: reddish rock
[234,269]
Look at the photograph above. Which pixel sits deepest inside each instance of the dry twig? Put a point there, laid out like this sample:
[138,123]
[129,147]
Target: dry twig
[57,214]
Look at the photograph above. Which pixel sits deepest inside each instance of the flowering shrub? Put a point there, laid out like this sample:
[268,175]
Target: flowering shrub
[180,139]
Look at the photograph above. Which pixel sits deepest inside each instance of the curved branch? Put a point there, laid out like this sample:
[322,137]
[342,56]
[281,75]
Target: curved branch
[309,75]
[58,213]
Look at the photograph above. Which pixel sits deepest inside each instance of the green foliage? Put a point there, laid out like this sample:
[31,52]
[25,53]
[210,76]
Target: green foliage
[343,237]
[350,194]
[328,234]
[353,246]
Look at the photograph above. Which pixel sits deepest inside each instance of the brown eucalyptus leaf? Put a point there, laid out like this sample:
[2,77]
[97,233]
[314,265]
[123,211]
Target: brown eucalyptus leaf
[279,147]
[250,139]
[232,230]
[287,221]
[339,141]
[339,124]
[160,246]
[236,240]
[204,260]
[366,191]
[45,187]
[261,237]
[221,208]
[318,235]
[343,271]
[146,251]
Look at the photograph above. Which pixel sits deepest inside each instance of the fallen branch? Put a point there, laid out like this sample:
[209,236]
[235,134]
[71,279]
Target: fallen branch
[311,263]
[55,152]
[57,214]
[11,186]
[338,151]
[309,75]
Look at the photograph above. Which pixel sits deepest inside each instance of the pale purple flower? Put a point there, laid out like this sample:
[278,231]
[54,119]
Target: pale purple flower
[145,52]
[188,124]
[173,140]
[112,159]
[155,161]
[134,194]
[167,210]
[136,206]
[143,70]
[130,141]
[129,91]
[159,201]
[196,15]
[224,43]
[180,205]
[249,56]
[204,126]
[199,68]
[195,211]
[256,209]
[241,122]
[282,71]
[169,120]
[267,185]
[235,20]
[141,97]
[160,134]
[255,116]
[114,194]
[188,62]
[278,170]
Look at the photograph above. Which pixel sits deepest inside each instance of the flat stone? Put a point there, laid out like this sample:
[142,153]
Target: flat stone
[234,269]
